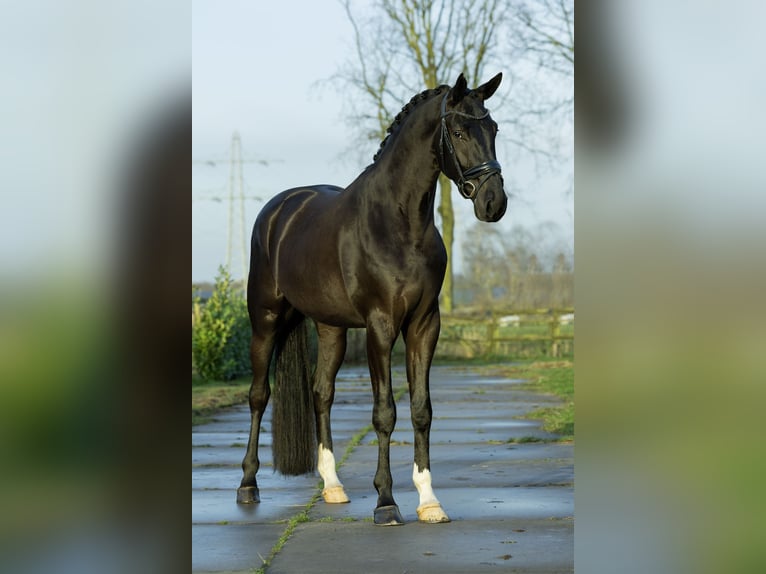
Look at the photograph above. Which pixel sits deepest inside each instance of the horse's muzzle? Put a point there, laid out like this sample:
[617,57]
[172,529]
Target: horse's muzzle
[491,201]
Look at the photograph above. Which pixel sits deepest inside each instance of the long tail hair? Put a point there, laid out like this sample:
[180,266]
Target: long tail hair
[293,423]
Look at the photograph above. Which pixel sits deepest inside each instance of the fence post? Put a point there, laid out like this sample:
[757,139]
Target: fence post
[492,328]
[555,327]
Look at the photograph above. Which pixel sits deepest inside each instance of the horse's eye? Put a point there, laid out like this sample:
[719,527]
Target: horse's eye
[458,134]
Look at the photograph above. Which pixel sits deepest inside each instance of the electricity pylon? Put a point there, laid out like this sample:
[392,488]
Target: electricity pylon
[236,203]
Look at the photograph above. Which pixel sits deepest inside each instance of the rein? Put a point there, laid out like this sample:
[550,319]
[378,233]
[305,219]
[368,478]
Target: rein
[482,172]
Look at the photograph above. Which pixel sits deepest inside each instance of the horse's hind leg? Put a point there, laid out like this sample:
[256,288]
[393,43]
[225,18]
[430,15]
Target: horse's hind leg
[332,348]
[262,344]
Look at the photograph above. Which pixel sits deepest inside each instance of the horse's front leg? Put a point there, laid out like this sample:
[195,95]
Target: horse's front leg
[421,336]
[380,342]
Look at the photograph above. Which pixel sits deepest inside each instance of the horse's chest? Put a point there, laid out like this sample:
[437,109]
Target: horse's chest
[410,277]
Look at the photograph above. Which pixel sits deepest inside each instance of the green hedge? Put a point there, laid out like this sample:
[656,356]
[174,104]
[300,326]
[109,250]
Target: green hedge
[221,333]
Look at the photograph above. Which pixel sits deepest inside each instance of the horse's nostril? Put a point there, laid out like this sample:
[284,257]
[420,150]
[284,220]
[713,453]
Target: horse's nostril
[490,201]
[503,208]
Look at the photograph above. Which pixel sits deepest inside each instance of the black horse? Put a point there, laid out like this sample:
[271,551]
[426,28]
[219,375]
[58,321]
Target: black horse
[365,256]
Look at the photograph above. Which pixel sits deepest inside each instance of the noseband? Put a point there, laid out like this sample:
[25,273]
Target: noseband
[482,172]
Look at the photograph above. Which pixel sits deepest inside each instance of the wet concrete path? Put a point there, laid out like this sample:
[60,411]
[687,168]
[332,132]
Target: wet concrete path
[511,504]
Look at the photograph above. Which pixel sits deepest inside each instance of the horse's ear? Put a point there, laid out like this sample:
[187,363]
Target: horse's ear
[486,90]
[459,90]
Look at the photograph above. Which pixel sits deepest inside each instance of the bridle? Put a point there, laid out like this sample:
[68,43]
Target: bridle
[482,172]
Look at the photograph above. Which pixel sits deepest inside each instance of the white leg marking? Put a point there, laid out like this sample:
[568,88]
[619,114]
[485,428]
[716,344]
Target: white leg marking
[430,509]
[326,467]
[333,492]
[422,480]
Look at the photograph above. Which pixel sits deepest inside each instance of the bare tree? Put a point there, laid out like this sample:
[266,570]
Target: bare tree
[546,32]
[523,268]
[482,254]
[403,46]
[540,46]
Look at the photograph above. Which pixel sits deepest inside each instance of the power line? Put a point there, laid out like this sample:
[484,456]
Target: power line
[226,162]
[236,240]
[217,194]
[220,198]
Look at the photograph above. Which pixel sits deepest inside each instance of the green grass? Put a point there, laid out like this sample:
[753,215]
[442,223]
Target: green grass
[528,439]
[555,377]
[210,396]
[540,328]
[559,420]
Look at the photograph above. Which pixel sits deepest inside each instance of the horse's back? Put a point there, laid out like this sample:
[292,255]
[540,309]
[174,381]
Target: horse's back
[296,250]
[297,196]
[289,208]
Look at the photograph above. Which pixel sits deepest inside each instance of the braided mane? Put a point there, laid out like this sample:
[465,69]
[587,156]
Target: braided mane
[408,107]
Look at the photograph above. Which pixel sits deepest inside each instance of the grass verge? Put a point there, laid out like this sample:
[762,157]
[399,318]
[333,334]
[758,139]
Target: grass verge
[553,377]
[210,396]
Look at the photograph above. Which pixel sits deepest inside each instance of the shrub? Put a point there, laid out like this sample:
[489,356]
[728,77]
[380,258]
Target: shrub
[221,333]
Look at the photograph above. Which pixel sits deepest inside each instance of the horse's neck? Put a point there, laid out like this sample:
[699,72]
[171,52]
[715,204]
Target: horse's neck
[402,182]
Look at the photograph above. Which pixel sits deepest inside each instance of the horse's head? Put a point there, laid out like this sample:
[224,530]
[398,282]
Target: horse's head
[467,147]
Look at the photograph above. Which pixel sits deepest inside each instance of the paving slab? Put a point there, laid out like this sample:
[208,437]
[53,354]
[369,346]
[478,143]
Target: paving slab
[230,439]
[461,454]
[513,545]
[232,547]
[228,478]
[502,433]
[462,503]
[511,504]
[219,506]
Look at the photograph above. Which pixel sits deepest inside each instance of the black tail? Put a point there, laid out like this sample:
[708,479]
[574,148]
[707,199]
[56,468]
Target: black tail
[293,424]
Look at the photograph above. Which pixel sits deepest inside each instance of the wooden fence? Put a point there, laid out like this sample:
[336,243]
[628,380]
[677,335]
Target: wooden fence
[513,333]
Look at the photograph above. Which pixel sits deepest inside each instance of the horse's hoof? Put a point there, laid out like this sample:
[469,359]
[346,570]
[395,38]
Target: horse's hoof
[248,495]
[432,513]
[335,495]
[388,516]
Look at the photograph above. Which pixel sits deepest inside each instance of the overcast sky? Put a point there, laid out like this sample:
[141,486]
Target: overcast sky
[257,69]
